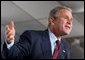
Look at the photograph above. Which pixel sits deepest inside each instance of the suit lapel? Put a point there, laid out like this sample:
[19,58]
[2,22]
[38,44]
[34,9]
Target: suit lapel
[46,46]
[62,51]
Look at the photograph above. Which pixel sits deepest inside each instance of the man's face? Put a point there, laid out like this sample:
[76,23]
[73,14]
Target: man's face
[63,24]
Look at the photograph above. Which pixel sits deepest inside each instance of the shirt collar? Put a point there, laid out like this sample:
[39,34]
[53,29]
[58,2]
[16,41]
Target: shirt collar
[53,38]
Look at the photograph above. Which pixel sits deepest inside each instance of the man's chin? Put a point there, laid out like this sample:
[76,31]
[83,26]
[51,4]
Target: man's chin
[65,33]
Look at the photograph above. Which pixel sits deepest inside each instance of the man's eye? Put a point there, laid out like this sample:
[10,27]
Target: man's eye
[65,18]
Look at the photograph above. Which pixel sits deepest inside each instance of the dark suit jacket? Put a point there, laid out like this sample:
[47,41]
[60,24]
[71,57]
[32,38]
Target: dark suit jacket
[35,45]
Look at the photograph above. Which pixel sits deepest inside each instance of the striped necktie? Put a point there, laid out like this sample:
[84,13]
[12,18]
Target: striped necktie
[56,50]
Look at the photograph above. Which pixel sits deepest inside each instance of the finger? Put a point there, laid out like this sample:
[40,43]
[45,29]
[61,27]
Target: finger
[9,40]
[7,29]
[11,24]
[11,37]
[10,33]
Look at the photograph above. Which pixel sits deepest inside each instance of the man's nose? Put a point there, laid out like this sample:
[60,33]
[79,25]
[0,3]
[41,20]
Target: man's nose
[69,22]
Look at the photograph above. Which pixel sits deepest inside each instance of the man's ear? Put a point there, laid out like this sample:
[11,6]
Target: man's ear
[51,21]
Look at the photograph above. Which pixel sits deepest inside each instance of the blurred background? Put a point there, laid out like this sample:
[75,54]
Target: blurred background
[33,15]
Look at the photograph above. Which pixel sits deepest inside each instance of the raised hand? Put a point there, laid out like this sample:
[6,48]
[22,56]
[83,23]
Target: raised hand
[10,32]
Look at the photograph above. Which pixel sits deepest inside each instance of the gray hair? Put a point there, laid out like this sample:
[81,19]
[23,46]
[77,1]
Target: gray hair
[54,12]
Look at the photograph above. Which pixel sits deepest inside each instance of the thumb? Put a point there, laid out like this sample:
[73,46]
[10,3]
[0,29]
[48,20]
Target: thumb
[11,24]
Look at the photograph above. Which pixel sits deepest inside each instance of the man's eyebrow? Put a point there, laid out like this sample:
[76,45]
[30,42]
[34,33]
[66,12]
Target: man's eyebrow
[70,18]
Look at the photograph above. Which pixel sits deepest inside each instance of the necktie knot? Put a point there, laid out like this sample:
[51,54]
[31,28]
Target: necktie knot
[58,43]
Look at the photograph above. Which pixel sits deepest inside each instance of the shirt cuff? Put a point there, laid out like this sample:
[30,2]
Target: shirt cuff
[10,45]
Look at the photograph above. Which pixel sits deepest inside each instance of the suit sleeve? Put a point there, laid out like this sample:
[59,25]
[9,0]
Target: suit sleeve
[20,49]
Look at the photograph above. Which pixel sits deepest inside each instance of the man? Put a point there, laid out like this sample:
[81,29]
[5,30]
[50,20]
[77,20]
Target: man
[41,44]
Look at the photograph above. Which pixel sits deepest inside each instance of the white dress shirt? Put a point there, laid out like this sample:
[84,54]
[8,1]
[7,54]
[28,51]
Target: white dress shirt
[53,40]
[10,45]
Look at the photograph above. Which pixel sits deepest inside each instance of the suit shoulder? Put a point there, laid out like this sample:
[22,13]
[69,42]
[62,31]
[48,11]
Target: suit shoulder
[31,34]
[32,31]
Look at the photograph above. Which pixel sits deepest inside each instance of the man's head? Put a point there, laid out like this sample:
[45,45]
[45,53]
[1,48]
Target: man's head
[60,20]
